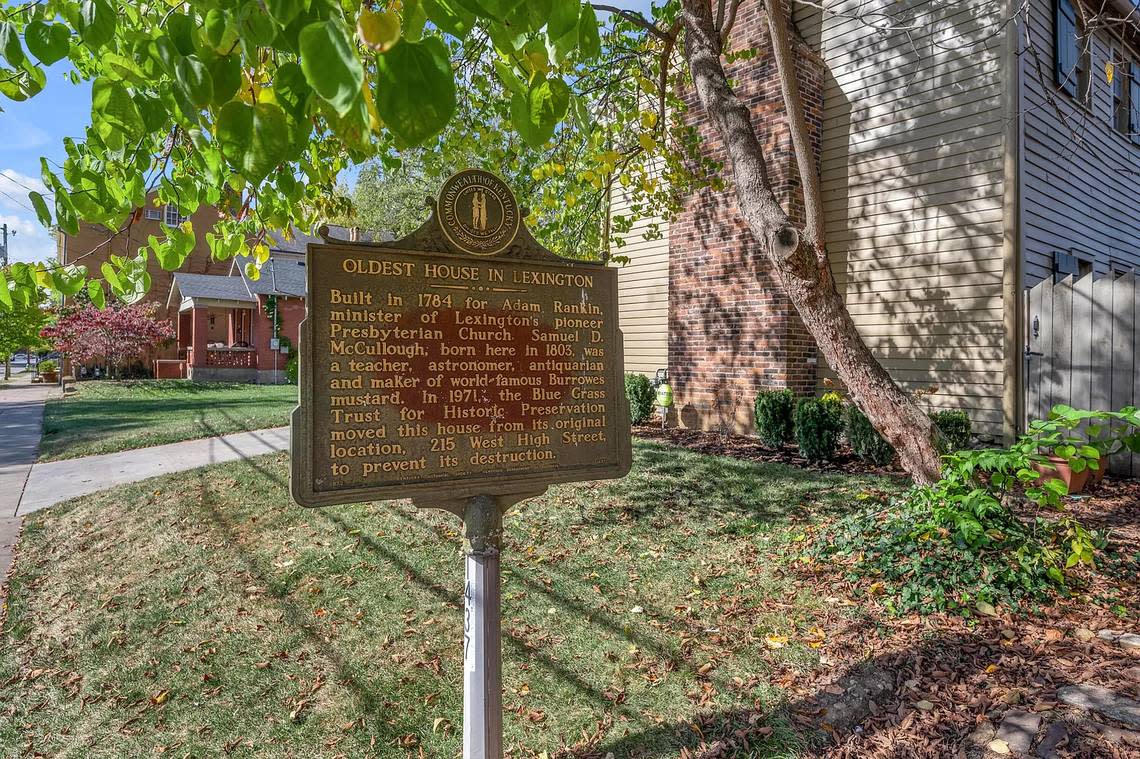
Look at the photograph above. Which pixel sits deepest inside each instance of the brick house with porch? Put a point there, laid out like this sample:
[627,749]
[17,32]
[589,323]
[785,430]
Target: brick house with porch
[231,328]
[224,331]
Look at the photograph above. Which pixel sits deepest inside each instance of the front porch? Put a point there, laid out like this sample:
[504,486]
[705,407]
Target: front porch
[215,341]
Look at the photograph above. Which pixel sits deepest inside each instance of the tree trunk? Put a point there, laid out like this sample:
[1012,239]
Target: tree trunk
[7,368]
[800,259]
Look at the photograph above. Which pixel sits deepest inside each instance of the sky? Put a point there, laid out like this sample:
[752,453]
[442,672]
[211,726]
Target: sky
[35,128]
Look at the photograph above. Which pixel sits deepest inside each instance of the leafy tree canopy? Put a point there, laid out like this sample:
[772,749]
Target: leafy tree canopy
[255,106]
[20,326]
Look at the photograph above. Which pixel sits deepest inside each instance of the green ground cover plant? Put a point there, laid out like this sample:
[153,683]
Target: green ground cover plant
[203,613]
[106,416]
[992,530]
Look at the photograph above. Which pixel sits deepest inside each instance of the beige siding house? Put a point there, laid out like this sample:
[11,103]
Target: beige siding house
[956,170]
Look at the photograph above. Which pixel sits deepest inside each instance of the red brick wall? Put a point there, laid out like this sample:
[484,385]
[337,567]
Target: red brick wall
[732,331]
[292,312]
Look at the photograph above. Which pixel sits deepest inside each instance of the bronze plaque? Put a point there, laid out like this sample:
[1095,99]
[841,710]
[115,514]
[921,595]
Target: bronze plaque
[462,360]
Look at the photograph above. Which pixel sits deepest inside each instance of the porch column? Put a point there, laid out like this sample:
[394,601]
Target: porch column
[199,330]
[185,329]
[232,326]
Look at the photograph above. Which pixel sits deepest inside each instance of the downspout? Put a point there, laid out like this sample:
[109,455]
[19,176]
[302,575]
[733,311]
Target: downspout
[1013,387]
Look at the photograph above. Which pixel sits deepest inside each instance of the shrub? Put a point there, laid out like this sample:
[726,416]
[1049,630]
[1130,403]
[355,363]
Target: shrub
[640,393]
[955,428]
[865,440]
[774,409]
[957,542]
[291,369]
[817,425]
[48,366]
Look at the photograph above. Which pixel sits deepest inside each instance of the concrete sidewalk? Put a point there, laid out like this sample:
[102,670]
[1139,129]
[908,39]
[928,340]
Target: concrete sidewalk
[21,425]
[57,481]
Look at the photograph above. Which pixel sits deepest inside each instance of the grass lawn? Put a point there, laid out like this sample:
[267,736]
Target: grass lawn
[203,614]
[106,416]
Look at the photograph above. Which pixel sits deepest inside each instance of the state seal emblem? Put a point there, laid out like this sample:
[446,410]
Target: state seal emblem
[478,213]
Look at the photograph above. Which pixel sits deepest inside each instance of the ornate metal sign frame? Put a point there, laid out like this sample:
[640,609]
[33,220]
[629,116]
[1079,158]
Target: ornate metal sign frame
[441,238]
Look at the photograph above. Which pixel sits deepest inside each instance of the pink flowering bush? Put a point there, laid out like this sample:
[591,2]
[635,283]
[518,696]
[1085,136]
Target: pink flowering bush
[114,336]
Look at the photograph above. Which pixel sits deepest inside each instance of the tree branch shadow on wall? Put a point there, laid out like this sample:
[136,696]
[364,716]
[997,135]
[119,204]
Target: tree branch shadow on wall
[910,149]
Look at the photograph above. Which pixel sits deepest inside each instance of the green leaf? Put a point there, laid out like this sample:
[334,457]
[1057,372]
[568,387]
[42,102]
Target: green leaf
[10,44]
[451,17]
[172,252]
[536,114]
[254,139]
[589,41]
[217,30]
[95,293]
[181,28]
[47,42]
[96,23]
[69,280]
[225,72]
[252,271]
[415,89]
[292,90]
[5,293]
[379,31]
[42,212]
[195,80]
[509,78]
[562,28]
[413,20]
[284,11]
[112,106]
[329,61]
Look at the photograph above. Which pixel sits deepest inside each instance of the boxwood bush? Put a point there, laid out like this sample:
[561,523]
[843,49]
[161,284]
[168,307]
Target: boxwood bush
[818,423]
[774,410]
[864,439]
[640,393]
[955,427]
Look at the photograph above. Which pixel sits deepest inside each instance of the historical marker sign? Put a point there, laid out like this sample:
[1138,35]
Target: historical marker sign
[463,360]
[465,367]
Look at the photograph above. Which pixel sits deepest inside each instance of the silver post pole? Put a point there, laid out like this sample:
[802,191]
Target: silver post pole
[482,632]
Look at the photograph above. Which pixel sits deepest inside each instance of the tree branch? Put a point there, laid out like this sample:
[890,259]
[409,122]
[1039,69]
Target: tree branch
[797,125]
[634,18]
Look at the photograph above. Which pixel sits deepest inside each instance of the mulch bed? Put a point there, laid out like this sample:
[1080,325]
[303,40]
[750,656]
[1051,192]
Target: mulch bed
[938,686]
[751,449]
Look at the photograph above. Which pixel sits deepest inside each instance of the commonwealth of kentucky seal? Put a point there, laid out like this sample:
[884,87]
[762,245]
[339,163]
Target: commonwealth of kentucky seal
[478,213]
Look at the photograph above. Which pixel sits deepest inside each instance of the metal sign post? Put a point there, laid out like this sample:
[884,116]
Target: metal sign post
[482,631]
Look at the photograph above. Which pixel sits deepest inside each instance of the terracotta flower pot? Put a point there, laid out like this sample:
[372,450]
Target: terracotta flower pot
[1075,481]
[50,377]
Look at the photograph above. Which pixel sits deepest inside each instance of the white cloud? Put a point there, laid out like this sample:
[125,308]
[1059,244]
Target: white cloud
[20,135]
[31,242]
[14,188]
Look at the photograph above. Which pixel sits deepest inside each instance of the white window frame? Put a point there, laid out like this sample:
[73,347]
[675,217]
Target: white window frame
[154,213]
[171,217]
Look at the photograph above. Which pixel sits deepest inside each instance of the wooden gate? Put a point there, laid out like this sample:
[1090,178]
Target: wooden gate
[1083,345]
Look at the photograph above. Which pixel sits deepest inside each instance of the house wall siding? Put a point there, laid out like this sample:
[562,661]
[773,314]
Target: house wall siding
[1080,194]
[643,289]
[912,180]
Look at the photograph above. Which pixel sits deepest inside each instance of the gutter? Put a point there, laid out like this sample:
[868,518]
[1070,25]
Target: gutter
[1013,385]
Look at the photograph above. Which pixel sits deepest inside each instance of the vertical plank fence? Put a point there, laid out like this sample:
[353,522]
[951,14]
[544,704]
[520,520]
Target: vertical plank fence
[1084,349]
